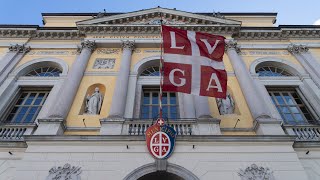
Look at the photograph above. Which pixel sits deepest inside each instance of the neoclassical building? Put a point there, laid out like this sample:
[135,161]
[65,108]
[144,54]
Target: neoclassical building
[78,93]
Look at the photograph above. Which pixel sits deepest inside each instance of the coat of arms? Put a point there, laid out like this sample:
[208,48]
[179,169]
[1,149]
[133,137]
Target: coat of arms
[160,139]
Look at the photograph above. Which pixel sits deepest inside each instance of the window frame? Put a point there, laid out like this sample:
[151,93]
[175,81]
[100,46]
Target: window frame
[14,100]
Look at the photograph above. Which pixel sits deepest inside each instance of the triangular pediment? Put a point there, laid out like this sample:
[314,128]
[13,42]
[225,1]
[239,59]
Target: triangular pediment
[154,15]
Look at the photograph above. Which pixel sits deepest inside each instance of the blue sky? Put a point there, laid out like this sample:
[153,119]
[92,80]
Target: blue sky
[29,11]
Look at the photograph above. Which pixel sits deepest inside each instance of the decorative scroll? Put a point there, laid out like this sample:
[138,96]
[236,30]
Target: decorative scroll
[108,51]
[255,172]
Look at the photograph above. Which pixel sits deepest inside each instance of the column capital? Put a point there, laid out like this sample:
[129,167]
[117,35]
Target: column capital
[87,44]
[19,48]
[128,45]
[232,44]
[298,48]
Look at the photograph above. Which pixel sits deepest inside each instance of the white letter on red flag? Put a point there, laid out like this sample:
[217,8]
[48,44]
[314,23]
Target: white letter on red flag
[193,63]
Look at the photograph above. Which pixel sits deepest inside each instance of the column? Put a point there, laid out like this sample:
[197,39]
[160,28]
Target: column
[188,106]
[11,59]
[202,107]
[53,124]
[118,103]
[264,123]
[300,52]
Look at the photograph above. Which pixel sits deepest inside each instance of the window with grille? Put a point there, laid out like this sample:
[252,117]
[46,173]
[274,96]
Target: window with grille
[150,104]
[292,106]
[272,71]
[27,106]
[44,71]
[151,71]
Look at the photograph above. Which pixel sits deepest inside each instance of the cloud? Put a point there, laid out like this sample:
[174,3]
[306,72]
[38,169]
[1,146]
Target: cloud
[317,22]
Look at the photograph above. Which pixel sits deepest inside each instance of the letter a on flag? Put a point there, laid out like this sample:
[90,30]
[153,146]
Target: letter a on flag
[193,63]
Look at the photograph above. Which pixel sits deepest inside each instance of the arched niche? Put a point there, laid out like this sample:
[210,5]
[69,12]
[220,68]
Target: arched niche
[41,62]
[173,169]
[90,91]
[276,62]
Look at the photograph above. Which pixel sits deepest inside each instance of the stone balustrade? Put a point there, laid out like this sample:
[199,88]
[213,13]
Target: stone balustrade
[15,132]
[139,127]
[304,132]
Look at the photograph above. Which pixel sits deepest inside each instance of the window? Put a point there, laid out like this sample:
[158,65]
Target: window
[291,106]
[44,71]
[272,71]
[151,71]
[150,104]
[27,106]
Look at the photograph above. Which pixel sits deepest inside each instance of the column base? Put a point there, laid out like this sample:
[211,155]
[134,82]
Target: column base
[111,126]
[207,126]
[268,126]
[50,126]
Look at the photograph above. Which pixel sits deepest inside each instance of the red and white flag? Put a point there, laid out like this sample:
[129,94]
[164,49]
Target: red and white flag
[193,63]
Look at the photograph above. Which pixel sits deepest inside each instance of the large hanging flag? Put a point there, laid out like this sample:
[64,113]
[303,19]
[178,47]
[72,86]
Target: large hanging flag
[192,63]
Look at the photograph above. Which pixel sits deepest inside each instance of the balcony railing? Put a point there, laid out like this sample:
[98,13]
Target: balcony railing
[139,127]
[15,132]
[304,132]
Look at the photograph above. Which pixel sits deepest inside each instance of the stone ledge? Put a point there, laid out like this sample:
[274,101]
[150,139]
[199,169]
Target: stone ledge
[192,138]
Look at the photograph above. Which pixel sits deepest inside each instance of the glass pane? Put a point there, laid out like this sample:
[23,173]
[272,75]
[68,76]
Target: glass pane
[308,116]
[18,118]
[23,95]
[288,117]
[30,99]
[285,110]
[23,110]
[294,95]
[144,116]
[9,118]
[173,109]
[299,117]
[146,98]
[173,99]
[279,98]
[145,109]
[274,101]
[33,110]
[298,101]
[288,99]
[20,101]
[29,118]
[164,98]
[173,116]
[14,110]
[37,101]
[155,98]
[155,110]
[294,110]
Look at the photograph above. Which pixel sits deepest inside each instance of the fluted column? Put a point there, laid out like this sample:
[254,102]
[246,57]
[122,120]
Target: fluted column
[118,104]
[257,105]
[11,59]
[302,54]
[67,92]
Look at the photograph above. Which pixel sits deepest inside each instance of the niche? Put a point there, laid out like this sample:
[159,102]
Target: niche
[93,100]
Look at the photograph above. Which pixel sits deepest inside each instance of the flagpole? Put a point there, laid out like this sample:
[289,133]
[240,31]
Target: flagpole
[161,67]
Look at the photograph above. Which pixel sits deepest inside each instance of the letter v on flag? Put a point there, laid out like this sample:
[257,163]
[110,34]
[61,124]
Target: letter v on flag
[193,63]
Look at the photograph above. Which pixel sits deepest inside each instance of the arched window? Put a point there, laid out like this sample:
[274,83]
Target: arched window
[272,71]
[44,72]
[151,71]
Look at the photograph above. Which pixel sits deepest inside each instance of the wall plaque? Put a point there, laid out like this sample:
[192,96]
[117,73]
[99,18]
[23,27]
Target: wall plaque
[104,63]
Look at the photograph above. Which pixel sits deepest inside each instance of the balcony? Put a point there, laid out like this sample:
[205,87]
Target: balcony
[15,132]
[304,133]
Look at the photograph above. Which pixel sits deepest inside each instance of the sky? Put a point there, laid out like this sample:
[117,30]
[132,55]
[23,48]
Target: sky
[289,11]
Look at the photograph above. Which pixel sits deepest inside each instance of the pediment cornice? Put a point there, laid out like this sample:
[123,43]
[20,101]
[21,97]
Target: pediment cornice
[155,14]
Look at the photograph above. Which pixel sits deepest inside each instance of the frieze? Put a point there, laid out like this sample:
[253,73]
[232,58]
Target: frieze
[126,37]
[104,63]
[52,53]
[152,51]
[264,53]
[67,172]
[108,51]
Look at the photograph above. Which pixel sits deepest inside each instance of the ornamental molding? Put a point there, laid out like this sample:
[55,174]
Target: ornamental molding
[39,34]
[255,172]
[67,172]
[148,15]
[19,48]
[127,45]
[91,45]
[233,45]
[298,48]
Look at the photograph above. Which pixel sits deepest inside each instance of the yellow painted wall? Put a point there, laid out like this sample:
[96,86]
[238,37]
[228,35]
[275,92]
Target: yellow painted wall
[75,118]
[315,53]
[3,52]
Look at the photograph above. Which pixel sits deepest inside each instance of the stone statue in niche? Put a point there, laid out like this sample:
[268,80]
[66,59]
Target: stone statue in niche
[226,106]
[94,102]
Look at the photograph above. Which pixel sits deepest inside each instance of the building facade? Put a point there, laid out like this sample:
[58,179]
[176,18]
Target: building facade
[78,93]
